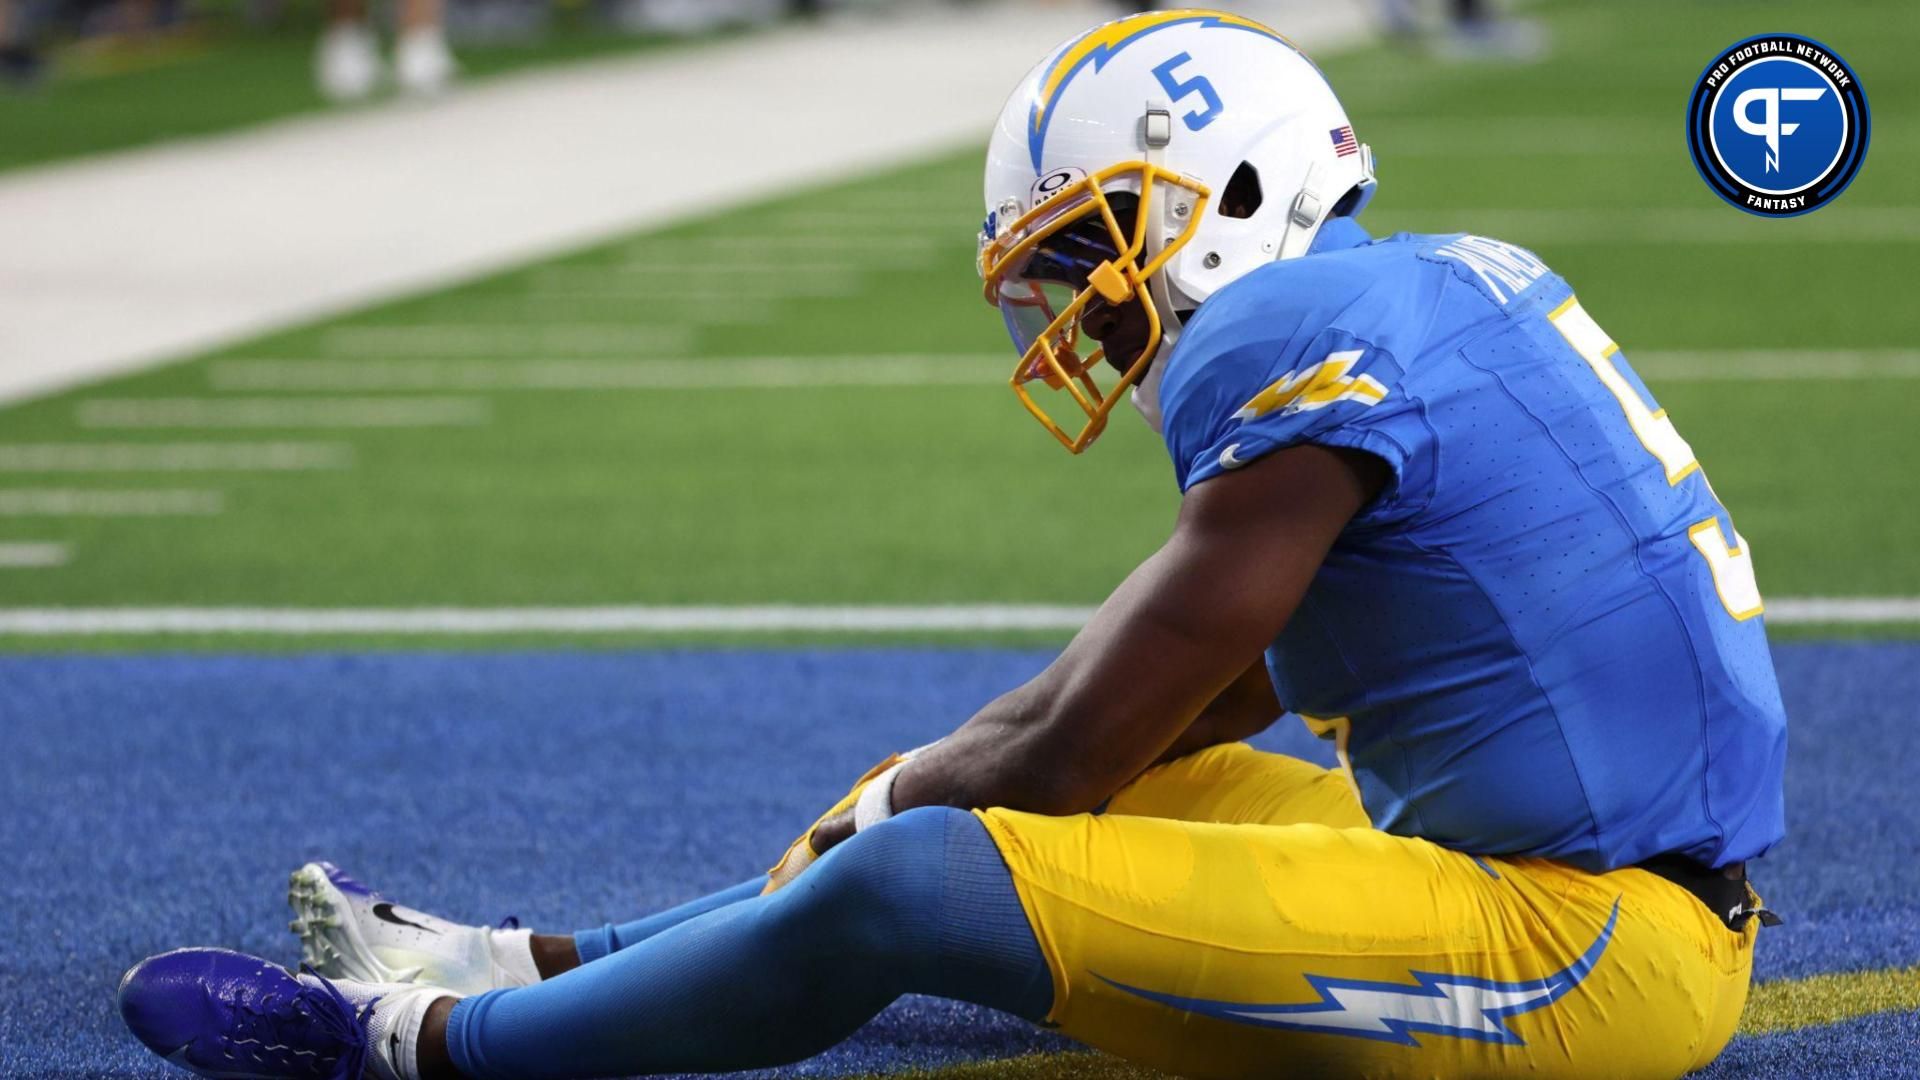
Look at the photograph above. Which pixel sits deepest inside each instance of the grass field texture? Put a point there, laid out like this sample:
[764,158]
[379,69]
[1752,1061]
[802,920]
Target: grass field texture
[217,74]
[804,401]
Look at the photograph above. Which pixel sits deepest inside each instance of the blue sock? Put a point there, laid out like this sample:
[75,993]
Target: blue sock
[611,938]
[919,904]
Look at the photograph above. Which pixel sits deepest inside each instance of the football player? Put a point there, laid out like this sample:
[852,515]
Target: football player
[1427,505]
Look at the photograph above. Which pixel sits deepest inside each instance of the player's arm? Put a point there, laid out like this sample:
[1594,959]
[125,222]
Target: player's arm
[1179,631]
[1247,707]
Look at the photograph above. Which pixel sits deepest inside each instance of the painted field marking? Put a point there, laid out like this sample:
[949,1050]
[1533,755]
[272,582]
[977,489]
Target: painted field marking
[350,412]
[829,619]
[86,502]
[174,457]
[1843,609]
[747,373]
[1707,225]
[1791,1004]
[704,272]
[635,308]
[575,339]
[33,555]
[914,243]
[941,222]
[1751,365]
[721,294]
[910,369]
[898,202]
[1515,135]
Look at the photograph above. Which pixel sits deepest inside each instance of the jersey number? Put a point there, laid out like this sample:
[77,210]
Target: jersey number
[1731,563]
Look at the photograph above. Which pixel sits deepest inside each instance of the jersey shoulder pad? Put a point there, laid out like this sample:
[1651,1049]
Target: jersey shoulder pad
[1280,358]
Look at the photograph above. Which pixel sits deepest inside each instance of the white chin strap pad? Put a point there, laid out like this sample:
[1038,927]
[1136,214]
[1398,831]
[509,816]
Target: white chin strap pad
[1145,394]
[1303,217]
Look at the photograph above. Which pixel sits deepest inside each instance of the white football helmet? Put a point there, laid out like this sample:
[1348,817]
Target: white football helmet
[1153,160]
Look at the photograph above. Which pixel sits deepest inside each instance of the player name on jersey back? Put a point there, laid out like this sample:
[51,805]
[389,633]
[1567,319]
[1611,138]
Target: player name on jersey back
[1504,271]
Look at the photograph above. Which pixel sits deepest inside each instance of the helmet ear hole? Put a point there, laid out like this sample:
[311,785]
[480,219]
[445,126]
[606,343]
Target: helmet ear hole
[1349,203]
[1241,197]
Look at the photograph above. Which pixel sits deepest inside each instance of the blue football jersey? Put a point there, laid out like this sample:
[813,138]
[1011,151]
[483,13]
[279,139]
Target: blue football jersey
[1543,636]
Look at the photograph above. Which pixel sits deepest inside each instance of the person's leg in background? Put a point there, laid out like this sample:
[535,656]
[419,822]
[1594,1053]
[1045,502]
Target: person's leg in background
[422,63]
[20,60]
[347,65]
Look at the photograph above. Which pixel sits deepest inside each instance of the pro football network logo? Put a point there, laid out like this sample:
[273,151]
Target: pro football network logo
[1778,125]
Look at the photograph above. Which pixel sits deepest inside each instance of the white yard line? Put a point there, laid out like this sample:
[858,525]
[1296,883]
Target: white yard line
[33,555]
[88,502]
[557,620]
[282,413]
[1657,225]
[718,294]
[890,202]
[117,262]
[1479,136]
[1843,609]
[1748,365]
[174,457]
[555,309]
[481,339]
[706,271]
[830,619]
[937,223]
[823,242]
[747,373]
[912,369]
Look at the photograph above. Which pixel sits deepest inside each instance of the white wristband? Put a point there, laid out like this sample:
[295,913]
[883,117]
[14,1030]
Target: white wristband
[875,804]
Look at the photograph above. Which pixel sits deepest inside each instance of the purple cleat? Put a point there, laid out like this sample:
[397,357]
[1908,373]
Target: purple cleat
[224,1014]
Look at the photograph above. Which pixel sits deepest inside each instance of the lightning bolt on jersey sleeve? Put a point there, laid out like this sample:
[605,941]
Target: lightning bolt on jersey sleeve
[1307,351]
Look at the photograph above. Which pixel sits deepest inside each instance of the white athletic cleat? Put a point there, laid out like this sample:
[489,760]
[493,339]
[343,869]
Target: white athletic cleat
[347,64]
[348,931]
[422,63]
[394,1014]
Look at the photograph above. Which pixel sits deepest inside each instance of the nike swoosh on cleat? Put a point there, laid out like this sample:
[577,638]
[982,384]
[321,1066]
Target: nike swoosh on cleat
[384,912]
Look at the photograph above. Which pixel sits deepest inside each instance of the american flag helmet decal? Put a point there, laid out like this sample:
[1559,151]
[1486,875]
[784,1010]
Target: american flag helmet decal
[1343,141]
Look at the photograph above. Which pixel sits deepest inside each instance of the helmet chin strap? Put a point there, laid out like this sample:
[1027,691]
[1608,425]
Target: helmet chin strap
[1156,131]
[1303,217]
[1145,394]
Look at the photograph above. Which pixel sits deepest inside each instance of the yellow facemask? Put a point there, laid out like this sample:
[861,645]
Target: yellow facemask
[1043,292]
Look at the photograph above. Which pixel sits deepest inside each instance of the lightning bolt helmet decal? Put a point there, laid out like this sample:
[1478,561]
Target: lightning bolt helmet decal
[1099,46]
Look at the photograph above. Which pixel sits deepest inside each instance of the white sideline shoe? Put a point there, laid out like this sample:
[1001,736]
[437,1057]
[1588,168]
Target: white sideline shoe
[422,63]
[348,931]
[347,64]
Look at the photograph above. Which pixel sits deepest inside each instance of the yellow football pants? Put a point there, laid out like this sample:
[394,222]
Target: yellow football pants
[1232,914]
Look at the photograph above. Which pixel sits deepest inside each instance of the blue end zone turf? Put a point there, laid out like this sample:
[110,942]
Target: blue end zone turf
[153,802]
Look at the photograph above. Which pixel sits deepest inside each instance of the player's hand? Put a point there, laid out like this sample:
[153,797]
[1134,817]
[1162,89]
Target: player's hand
[832,827]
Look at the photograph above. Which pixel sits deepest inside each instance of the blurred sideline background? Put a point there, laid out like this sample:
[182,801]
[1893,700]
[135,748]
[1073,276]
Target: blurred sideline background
[381,387]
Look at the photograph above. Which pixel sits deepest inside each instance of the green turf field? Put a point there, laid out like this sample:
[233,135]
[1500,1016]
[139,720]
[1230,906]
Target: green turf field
[566,434]
[218,74]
